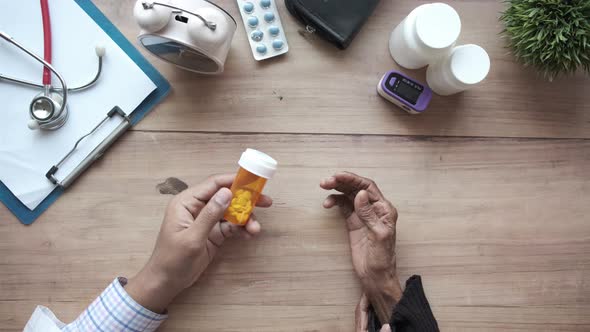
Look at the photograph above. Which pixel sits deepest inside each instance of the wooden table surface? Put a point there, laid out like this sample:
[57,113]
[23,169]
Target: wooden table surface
[492,186]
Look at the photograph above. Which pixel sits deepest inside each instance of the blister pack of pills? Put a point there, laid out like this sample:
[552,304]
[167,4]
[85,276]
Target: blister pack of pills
[264,28]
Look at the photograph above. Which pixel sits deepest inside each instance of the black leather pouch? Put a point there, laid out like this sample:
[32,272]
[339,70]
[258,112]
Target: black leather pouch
[337,21]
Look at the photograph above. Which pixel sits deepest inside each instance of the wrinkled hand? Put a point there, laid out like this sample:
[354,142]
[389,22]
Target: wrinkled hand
[371,221]
[190,236]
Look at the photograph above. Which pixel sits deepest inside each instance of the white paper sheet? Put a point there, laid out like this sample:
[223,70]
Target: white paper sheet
[25,155]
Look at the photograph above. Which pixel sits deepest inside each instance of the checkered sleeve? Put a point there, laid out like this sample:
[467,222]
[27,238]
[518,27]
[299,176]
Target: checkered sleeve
[115,311]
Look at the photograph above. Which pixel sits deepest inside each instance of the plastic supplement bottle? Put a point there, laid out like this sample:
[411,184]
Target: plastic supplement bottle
[464,67]
[426,34]
[255,169]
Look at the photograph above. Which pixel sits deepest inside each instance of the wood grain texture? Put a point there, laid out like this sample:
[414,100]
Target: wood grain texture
[498,228]
[316,88]
[496,224]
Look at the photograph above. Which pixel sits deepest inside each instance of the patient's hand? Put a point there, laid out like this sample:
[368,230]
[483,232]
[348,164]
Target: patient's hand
[361,316]
[371,221]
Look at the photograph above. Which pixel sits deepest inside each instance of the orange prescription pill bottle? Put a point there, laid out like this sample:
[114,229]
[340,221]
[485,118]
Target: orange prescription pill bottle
[255,169]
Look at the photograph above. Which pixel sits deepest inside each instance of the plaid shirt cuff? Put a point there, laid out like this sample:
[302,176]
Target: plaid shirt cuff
[115,310]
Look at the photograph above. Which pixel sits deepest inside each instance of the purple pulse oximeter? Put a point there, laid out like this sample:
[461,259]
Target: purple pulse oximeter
[413,97]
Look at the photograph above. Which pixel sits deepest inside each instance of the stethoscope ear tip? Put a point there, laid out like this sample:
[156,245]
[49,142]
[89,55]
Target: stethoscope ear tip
[100,50]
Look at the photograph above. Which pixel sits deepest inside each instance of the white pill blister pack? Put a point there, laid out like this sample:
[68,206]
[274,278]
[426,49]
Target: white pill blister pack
[264,28]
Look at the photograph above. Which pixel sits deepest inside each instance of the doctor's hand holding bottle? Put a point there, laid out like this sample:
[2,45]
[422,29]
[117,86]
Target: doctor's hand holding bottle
[191,234]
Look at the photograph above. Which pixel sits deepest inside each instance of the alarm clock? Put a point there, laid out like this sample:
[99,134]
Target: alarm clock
[192,34]
[408,94]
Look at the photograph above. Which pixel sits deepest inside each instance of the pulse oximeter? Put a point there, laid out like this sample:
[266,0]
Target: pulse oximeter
[411,96]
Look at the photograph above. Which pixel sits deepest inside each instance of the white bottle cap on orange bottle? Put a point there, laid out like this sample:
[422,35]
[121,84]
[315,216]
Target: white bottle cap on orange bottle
[258,163]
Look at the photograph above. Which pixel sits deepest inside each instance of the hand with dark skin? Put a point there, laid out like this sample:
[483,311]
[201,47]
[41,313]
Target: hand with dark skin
[361,315]
[191,234]
[371,220]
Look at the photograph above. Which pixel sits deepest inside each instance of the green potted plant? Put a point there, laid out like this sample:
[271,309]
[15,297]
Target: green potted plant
[553,36]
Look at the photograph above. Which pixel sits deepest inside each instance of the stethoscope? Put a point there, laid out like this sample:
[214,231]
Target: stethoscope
[49,109]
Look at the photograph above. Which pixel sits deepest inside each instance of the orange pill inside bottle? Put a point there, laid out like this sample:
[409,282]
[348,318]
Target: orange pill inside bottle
[255,169]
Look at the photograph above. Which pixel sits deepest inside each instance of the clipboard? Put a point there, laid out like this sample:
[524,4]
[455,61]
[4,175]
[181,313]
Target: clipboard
[24,214]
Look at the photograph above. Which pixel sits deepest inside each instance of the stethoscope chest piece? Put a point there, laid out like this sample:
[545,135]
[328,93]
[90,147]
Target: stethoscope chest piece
[47,111]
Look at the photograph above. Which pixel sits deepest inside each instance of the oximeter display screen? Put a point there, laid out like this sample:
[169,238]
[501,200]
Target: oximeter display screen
[409,95]
[408,90]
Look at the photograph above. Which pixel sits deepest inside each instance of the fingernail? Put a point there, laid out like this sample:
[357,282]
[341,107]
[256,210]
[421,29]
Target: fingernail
[223,197]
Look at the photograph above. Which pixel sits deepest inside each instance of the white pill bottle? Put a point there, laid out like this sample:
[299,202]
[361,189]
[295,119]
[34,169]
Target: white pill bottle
[464,67]
[426,34]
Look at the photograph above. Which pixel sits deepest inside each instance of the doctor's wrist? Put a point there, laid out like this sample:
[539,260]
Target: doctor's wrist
[153,291]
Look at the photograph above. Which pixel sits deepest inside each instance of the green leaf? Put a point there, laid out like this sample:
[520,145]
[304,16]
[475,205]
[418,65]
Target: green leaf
[550,35]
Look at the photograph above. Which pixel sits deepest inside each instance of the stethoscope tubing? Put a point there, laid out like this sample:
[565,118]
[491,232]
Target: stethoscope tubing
[41,86]
[47,49]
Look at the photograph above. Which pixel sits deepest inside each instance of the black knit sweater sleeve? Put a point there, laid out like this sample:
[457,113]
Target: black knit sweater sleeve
[411,314]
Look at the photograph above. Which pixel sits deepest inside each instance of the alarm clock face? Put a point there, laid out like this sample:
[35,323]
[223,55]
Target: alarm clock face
[178,54]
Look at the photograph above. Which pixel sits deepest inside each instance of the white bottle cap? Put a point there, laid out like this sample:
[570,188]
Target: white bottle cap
[470,64]
[258,163]
[438,25]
